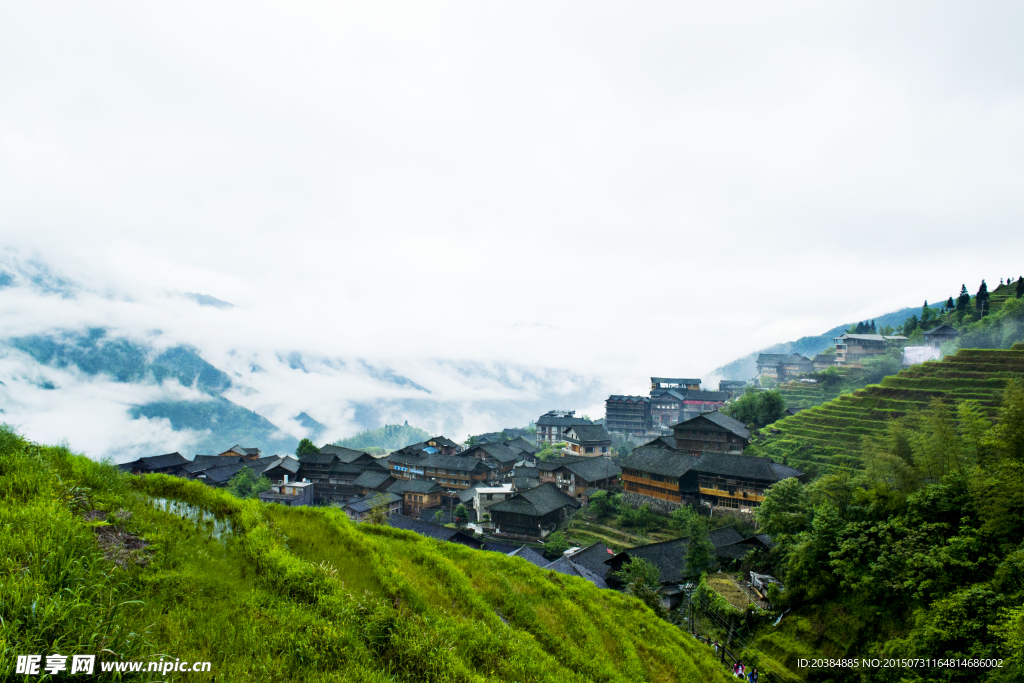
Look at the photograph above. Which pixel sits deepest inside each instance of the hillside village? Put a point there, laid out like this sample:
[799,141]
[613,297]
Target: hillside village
[669,484]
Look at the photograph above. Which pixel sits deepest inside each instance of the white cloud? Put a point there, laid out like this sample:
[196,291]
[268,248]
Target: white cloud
[614,191]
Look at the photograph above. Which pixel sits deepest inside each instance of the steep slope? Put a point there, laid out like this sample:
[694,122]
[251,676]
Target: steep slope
[830,435]
[128,567]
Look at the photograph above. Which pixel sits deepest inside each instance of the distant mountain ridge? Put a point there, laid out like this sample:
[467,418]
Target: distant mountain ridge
[746,367]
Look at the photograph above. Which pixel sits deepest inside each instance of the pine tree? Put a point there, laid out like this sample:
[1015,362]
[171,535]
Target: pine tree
[874,329]
[1020,287]
[981,299]
[949,304]
[964,300]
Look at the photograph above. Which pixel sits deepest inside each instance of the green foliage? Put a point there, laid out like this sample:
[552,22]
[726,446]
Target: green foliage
[246,484]
[272,593]
[757,408]
[602,504]
[388,437]
[461,515]
[639,571]
[556,544]
[700,553]
[923,547]
[551,451]
[305,447]
[880,366]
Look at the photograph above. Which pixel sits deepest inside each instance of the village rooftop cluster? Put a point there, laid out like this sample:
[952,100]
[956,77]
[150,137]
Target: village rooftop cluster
[511,501]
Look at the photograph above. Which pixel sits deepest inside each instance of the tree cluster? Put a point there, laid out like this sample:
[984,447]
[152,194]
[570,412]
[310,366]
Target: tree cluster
[757,408]
[923,548]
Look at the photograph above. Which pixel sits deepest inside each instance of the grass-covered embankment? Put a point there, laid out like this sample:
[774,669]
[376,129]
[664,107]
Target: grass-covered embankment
[91,565]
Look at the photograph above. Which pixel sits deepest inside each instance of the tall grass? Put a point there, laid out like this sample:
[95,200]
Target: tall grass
[293,594]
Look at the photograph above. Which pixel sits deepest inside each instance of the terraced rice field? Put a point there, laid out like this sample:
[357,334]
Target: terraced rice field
[805,394]
[829,435]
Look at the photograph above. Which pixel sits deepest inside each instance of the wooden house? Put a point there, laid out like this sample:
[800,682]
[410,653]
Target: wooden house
[169,463]
[532,514]
[587,440]
[711,432]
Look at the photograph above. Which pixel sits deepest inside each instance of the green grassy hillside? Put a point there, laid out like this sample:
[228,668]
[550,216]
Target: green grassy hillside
[806,395]
[134,568]
[830,435]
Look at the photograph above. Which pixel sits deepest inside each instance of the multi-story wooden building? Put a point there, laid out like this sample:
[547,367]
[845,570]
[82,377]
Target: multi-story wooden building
[531,514]
[550,425]
[655,472]
[498,456]
[852,348]
[667,408]
[738,482]
[417,495]
[587,440]
[940,335]
[451,472]
[698,402]
[713,432]
[627,414]
[733,387]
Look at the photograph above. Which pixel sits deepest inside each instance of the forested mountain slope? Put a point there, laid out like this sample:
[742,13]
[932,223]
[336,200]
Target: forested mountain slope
[910,545]
[129,567]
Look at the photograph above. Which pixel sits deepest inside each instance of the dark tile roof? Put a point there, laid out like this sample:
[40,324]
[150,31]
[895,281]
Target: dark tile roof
[824,357]
[668,556]
[589,432]
[674,380]
[443,441]
[623,398]
[498,451]
[707,396]
[522,444]
[372,479]
[427,515]
[345,468]
[414,486]
[317,458]
[771,358]
[725,536]
[288,464]
[535,502]
[366,504]
[760,539]
[555,463]
[676,394]
[220,475]
[785,471]
[593,558]
[159,462]
[552,421]
[745,466]
[666,442]
[441,533]
[564,565]
[659,461]
[594,469]
[205,462]
[733,551]
[530,555]
[463,463]
[346,455]
[722,420]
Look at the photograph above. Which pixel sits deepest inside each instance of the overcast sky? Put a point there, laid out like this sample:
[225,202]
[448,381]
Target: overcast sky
[617,189]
